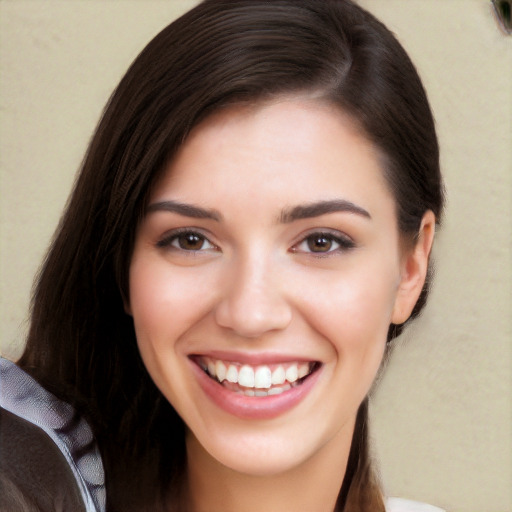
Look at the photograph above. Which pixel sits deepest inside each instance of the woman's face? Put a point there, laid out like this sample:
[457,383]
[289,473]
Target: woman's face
[269,259]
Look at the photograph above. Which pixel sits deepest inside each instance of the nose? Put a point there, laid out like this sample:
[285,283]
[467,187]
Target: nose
[252,302]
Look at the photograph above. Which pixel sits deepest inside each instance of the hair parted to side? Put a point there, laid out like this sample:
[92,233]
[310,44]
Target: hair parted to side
[81,343]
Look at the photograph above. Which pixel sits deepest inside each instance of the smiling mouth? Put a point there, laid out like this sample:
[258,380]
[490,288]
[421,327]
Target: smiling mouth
[257,380]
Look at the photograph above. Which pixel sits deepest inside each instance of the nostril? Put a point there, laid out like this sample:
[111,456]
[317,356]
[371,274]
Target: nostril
[251,315]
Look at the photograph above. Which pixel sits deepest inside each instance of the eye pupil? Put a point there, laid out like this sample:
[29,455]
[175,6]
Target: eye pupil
[319,243]
[190,241]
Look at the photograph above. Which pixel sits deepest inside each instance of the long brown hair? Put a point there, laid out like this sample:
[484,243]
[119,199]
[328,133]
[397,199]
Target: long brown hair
[81,343]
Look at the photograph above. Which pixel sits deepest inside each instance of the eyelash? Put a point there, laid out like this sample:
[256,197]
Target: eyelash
[342,243]
[173,238]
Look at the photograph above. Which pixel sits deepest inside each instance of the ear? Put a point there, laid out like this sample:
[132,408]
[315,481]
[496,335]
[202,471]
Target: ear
[414,268]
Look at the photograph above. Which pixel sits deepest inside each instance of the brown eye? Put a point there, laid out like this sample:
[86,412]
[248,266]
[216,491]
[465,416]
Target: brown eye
[324,243]
[190,241]
[320,243]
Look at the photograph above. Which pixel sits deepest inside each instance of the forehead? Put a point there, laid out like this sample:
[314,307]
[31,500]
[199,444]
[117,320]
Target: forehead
[291,149]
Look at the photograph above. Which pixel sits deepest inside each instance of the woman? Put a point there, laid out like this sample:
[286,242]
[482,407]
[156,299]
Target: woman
[252,225]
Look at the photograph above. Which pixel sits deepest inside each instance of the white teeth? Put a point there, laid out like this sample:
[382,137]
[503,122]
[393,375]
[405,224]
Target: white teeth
[263,377]
[220,371]
[272,391]
[246,376]
[292,373]
[232,374]
[278,376]
[303,370]
[211,367]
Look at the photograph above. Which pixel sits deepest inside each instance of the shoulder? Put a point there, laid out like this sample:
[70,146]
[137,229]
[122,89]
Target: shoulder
[49,456]
[401,505]
[33,471]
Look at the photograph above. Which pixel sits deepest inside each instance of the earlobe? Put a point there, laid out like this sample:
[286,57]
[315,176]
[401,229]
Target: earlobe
[414,270]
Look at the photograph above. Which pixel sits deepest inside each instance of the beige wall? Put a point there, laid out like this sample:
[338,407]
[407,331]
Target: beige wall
[442,414]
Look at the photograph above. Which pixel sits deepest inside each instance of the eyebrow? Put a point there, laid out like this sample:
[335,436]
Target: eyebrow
[318,208]
[187,210]
[305,211]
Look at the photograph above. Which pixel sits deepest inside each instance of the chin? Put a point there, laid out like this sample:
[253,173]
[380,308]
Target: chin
[257,460]
[268,449]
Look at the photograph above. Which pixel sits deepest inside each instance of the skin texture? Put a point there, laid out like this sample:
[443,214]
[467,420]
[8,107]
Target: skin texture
[256,286]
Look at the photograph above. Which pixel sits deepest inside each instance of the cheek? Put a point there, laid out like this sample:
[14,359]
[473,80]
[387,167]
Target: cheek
[164,305]
[353,312]
[163,301]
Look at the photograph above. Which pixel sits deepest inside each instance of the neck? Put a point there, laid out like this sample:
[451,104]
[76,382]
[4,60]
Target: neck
[312,485]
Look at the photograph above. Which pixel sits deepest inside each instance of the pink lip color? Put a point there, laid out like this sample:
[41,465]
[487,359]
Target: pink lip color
[253,407]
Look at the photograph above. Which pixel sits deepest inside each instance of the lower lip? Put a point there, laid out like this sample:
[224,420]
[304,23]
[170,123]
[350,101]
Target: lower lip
[264,407]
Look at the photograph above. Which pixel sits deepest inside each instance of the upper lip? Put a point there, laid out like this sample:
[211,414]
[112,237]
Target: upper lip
[253,358]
